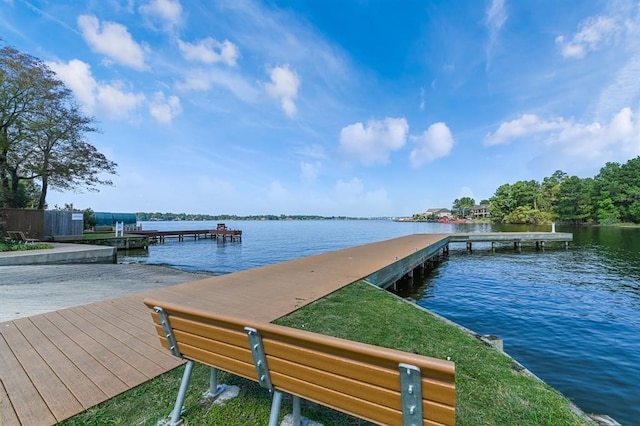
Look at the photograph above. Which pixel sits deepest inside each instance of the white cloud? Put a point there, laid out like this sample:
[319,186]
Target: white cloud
[168,11]
[526,125]
[112,39]
[164,109]
[115,101]
[210,51]
[309,171]
[373,144]
[495,17]
[593,32]
[110,98]
[284,88]
[434,143]
[76,75]
[584,144]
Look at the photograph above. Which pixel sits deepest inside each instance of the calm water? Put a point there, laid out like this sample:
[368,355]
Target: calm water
[570,316]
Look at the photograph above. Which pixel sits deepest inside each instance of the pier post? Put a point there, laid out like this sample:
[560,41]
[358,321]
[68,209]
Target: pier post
[468,245]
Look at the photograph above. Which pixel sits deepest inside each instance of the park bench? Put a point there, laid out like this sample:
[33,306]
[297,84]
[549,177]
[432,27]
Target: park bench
[20,236]
[380,385]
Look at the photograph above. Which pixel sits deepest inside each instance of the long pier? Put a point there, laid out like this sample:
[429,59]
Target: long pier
[58,364]
[214,234]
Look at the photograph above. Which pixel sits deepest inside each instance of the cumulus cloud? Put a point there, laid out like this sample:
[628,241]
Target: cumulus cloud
[76,75]
[309,171]
[117,102]
[210,51]
[163,109]
[110,98]
[525,125]
[167,11]
[592,32]
[113,40]
[284,88]
[434,143]
[588,143]
[372,144]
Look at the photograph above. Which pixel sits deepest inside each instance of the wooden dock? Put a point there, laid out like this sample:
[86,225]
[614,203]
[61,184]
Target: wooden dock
[58,364]
[538,239]
[220,233]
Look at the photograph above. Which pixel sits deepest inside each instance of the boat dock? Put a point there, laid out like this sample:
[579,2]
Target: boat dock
[58,364]
[516,238]
[220,233]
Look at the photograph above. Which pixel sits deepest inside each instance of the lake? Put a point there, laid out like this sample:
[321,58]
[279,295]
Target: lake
[572,316]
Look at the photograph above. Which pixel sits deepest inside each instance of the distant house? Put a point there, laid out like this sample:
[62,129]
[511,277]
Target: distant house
[480,212]
[439,213]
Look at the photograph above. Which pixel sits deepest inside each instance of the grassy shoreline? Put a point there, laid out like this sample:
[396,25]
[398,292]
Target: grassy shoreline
[491,388]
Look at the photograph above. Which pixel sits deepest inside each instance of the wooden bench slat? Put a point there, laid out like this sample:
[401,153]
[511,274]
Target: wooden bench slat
[439,391]
[379,414]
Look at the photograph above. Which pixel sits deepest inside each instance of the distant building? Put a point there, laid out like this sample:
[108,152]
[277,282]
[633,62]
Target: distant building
[480,212]
[439,213]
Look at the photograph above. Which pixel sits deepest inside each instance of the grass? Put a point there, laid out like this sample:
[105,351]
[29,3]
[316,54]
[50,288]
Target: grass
[490,388]
[11,246]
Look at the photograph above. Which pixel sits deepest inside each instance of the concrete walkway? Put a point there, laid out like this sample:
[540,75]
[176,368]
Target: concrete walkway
[60,253]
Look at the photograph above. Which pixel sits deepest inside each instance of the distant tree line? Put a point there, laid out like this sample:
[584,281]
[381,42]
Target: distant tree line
[612,196]
[144,217]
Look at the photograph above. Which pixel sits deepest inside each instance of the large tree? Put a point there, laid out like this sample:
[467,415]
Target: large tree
[43,132]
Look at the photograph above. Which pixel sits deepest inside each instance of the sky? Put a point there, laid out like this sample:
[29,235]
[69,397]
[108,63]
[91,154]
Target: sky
[367,108]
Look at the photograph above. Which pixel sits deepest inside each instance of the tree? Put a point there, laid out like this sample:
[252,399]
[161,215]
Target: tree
[574,202]
[463,204]
[42,132]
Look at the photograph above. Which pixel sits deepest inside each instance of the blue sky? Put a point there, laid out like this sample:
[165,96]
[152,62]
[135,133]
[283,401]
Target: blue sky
[338,107]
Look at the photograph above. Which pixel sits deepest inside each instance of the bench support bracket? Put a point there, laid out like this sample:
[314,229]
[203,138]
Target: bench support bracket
[259,357]
[168,331]
[411,393]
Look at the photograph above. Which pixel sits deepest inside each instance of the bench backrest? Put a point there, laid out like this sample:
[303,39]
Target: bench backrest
[355,378]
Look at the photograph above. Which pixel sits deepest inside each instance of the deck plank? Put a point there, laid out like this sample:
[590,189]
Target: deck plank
[84,390]
[142,341]
[93,326]
[108,382]
[8,414]
[100,351]
[52,391]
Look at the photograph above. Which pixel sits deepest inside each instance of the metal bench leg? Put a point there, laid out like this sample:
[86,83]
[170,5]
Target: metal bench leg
[214,388]
[182,393]
[296,411]
[275,408]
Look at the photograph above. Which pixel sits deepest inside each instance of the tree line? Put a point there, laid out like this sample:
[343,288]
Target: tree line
[612,196]
[144,217]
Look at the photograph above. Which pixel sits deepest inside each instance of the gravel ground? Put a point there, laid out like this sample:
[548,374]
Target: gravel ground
[31,290]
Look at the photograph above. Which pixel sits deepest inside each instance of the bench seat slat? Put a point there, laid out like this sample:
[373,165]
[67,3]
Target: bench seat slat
[437,414]
[438,391]
[216,331]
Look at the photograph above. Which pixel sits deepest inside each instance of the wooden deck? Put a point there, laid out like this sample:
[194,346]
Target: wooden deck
[58,364]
